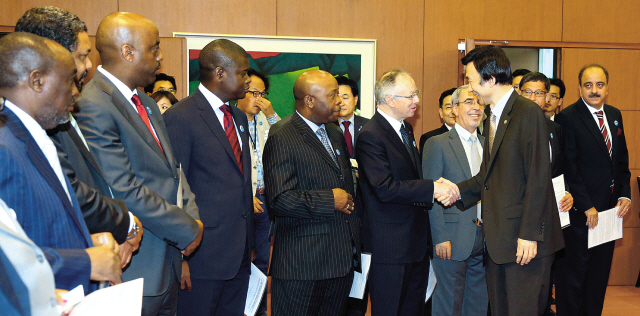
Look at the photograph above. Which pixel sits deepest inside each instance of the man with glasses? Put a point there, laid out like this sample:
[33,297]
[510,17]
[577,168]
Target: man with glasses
[396,197]
[556,96]
[163,82]
[457,235]
[447,116]
[260,117]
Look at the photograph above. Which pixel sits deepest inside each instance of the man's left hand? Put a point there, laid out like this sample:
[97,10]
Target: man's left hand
[624,206]
[527,250]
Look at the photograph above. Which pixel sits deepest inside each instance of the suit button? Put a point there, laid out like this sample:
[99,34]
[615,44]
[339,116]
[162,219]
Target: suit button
[53,302]
[244,215]
[40,258]
[486,187]
[474,220]
[347,221]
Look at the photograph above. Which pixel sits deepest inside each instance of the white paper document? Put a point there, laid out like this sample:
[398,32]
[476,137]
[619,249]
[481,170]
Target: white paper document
[180,201]
[257,284]
[609,228]
[72,298]
[360,279]
[560,191]
[431,286]
[124,299]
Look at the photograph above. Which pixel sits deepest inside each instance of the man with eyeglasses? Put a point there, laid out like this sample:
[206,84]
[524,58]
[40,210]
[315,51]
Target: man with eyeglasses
[457,235]
[396,225]
[163,82]
[447,116]
[555,99]
[260,116]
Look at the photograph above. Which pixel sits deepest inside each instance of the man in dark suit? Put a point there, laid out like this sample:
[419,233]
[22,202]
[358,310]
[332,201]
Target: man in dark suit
[519,214]
[446,115]
[596,154]
[102,214]
[396,223]
[348,121]
[39,84]
[127,137]
[208,132]
[458,239]
[309,188]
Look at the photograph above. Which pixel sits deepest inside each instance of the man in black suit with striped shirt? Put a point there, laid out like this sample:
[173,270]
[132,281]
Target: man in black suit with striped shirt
[309,188]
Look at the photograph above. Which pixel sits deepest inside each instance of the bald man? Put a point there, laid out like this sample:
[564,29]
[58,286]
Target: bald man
[38,83]
[128,139]
[309,188]
[207,132]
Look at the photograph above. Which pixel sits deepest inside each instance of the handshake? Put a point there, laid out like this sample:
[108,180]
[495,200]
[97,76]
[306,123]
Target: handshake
[445,191]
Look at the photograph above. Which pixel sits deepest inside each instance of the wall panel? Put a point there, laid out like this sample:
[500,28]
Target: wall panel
[626,258]
[91,11]
[612,21]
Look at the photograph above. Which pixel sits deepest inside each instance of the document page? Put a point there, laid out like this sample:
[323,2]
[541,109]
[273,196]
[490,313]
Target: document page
[559,190]
[360,279]
[431,286]
[257,284]
[609,228]
[124,299]
[180,201]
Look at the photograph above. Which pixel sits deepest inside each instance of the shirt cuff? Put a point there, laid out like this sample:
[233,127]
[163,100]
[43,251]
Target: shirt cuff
[131,222]
[626,198]
[272,119]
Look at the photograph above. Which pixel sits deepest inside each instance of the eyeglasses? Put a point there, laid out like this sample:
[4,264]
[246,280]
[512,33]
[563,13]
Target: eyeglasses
[469,102]
[412,96]
[539,93]
[172,90]
[258,94]
[553,97]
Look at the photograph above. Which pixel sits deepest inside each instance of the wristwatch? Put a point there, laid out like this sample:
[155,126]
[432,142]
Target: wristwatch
[134,231]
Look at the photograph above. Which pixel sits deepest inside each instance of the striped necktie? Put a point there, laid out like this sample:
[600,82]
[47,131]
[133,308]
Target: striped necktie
[604,131]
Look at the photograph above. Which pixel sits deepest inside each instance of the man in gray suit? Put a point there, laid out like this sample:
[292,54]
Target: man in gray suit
[129,141]
[457,235]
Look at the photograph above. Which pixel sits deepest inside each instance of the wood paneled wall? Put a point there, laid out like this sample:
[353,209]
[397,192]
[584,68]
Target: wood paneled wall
[420,36]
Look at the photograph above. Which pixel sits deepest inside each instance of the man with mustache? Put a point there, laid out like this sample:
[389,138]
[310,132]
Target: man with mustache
[127,137]
[596,156]
[101,213]
[310,191]
[211,141]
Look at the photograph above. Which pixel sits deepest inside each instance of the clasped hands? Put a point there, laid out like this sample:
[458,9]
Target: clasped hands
[445,191]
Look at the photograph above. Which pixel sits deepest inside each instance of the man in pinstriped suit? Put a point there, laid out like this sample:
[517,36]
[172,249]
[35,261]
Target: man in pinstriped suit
[309,188]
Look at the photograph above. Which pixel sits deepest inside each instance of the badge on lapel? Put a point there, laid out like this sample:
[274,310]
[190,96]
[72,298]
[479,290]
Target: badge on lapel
[551,135]
[260,123]
[615,122]
[241,128]
[359,128]
[149,110]
[414,144]
[338,152]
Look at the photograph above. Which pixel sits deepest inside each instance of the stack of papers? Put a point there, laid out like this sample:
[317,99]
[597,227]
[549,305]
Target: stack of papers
[609,228]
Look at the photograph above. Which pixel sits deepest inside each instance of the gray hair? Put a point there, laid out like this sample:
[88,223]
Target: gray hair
[455,97]
[386,83]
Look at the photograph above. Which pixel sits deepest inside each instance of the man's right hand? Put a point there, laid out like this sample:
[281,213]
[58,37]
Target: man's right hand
[592,217]
[196,242]
[443,250]
[343,201]
[105,264]
[445,191]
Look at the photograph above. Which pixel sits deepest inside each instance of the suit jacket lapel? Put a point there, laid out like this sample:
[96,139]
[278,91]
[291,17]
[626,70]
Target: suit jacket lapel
[82,147]
[158,124]
[458,150]
[393,137]
[613,130]
[240,119]
[310,138]
[594,129]
[16,292]
[503,123]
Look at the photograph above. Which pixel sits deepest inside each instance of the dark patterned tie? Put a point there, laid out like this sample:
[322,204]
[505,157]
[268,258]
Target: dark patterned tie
[405,140]
[325,142]
[603,131]
[145,117]
[230,131]
[347,137]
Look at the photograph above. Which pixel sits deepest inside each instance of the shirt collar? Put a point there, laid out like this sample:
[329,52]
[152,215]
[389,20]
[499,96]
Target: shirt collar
[126,92]
[213,99]
[448,127]
[351,119]
[591,109]
[499,107]
[312,125]
[36,131]
[394,123]
[462,132]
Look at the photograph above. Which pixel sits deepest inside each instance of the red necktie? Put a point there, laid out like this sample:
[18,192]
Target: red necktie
[230,131]
[145,117]
[604,132]
[347,137]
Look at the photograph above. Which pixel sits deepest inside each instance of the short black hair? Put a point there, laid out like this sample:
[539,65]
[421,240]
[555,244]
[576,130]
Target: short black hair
[535,77]
[53,23]
[520,72]
[218,53]
[558,83]
[262,76]
[606,73]
[490,61]
[158,95]
[445,94]
[344,81]
[20,54]
[161,77]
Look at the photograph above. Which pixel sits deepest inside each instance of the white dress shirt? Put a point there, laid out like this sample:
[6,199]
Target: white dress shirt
[352,128]
[44,142]
[315,129]
[465,139]
[395,124]
[593,111]
[216,103]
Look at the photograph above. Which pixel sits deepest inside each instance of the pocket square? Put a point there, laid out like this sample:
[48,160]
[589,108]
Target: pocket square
[619,131]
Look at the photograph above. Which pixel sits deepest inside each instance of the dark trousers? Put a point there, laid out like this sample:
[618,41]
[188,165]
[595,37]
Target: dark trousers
[217,297]
[398,289]
[582,274]
[309,297]
[358,307]
[521,290]
[165,304]
[262,243]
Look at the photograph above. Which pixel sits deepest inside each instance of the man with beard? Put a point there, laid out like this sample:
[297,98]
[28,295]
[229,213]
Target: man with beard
[102,214]
[38,86]
[128,139]
[309,188]
[597,156]
[212,144]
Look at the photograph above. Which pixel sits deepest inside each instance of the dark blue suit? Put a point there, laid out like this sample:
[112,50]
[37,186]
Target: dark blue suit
[30,186]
